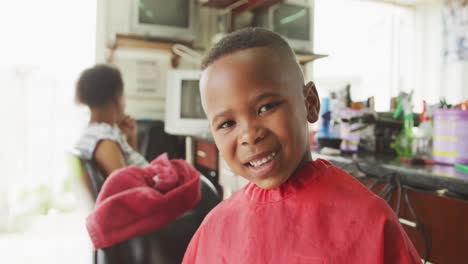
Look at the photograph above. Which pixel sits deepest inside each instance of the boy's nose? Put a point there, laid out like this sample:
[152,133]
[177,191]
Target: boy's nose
[252,136]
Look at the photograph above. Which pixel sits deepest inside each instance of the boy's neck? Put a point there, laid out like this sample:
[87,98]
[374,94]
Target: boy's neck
[305,159]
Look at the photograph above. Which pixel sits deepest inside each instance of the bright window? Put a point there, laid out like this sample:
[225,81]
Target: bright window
[45,45]
[370,45]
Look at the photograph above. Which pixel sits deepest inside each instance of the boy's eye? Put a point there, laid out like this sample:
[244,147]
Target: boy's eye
[267,107]
[226,124]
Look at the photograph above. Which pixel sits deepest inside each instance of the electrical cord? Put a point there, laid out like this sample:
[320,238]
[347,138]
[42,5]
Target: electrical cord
[427,245]
[397,210]
[388,195]
[372,185]
[393,182]
[386,190]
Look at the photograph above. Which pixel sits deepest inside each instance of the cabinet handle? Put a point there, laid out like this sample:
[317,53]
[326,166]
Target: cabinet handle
[201,153]
[407,222]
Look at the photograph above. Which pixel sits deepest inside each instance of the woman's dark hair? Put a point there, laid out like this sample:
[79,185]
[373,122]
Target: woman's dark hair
[98,85]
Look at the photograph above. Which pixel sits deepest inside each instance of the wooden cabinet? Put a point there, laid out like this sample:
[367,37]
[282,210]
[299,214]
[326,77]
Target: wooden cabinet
[440,226]
[206,160]
[206,154]
[443,220]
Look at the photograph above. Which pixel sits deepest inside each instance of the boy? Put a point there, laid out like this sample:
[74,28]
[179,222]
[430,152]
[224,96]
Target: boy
[294,210]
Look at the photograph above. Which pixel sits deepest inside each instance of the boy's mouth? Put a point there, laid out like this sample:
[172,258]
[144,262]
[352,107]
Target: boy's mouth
[261,159]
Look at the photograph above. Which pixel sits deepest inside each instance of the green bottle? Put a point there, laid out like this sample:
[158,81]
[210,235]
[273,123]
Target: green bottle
[403,144]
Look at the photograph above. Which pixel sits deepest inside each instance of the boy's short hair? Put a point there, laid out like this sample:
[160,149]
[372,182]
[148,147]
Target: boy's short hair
[98,85]
[245,39]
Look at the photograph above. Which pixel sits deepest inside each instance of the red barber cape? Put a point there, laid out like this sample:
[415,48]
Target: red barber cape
[135,201]
[320,215]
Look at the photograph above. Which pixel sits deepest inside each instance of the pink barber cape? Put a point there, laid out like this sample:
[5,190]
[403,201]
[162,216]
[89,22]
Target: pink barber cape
[320,215]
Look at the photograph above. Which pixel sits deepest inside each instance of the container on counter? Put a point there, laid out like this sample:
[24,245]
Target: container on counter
[450,140]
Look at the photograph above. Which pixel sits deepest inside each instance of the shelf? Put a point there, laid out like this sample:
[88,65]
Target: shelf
[255,4]
[244,5]
[136,41]
[305,58]
[217,3]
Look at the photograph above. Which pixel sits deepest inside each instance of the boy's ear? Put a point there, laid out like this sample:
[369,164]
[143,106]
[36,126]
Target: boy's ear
[312,102]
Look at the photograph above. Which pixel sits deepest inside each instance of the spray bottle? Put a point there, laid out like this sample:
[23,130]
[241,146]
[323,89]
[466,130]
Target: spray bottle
[403,144]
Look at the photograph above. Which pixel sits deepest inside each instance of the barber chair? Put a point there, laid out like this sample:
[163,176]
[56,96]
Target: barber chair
[166,245]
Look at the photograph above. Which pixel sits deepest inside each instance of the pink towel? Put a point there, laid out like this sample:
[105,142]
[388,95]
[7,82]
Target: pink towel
[135,201]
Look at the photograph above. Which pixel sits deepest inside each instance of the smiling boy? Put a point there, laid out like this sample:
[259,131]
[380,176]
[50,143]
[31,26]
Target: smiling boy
[294,210]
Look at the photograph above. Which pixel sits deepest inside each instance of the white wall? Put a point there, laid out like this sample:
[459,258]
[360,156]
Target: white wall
[101,23]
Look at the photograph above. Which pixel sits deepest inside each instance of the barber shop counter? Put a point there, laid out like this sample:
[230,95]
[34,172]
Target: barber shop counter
[431,202]
[441,178]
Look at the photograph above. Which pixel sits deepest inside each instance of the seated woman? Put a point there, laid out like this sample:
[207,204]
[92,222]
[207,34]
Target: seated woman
[110,139]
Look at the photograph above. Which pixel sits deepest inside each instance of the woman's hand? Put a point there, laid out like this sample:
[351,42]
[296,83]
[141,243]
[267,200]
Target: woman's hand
[129,128]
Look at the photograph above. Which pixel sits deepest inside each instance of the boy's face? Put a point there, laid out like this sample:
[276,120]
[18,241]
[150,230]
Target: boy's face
[258,108]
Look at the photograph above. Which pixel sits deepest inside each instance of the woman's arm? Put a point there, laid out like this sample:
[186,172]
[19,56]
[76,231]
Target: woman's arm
[129,127]
[108,157]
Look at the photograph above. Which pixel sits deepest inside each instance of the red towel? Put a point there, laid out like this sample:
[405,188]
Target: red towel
[135,201]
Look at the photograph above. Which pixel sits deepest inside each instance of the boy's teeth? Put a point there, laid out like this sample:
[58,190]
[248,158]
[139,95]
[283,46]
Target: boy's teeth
[262,161]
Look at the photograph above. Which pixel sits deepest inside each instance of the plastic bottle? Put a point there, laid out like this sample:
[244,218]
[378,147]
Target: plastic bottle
[403,144]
